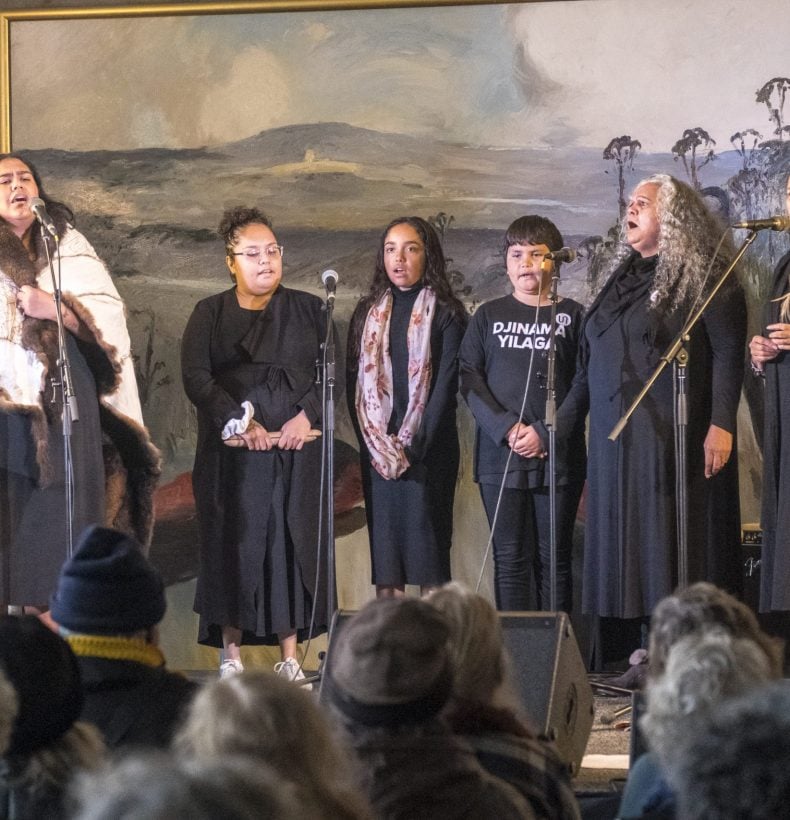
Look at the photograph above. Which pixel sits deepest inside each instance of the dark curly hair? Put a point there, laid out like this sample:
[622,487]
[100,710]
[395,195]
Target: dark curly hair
[235,219]
[434,276]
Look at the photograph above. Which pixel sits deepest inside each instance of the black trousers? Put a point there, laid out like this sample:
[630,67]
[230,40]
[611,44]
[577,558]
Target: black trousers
[522,541]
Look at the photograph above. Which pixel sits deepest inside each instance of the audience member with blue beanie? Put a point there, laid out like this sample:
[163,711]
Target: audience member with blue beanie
[107,604]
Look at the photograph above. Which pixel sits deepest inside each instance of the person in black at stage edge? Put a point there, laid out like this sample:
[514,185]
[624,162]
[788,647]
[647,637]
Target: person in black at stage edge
[107,605]
[771,360]
[660,271]
[402,362]
[506,343]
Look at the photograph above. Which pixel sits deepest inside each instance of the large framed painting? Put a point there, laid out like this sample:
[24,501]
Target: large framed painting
[336,117]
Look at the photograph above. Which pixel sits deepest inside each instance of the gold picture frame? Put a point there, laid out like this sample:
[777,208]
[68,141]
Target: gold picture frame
[8,18]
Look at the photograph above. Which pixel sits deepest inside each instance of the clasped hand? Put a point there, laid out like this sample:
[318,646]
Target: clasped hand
[524,441]
[764,349]
[292,435]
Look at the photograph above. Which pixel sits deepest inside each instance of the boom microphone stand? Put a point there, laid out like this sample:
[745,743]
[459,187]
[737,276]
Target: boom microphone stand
[678,355]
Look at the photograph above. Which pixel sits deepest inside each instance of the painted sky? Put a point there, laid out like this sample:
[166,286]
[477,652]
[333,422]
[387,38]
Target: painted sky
[532,75]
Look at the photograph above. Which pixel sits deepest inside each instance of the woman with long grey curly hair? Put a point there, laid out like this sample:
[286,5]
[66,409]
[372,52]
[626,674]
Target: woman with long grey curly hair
[660,271]
[704,669]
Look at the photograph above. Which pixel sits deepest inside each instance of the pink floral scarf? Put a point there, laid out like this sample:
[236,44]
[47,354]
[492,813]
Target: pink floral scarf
[374,381]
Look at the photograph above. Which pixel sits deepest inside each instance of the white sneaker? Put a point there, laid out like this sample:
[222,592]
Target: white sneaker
[229,668]
[290,670]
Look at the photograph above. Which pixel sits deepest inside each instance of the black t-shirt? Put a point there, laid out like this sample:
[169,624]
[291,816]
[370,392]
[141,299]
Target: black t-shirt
[495,362]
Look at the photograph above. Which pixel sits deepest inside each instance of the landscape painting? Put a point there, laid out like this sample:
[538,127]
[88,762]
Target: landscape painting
[336,121]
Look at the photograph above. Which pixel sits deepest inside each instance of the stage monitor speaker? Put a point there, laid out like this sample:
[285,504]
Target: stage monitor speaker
[548,672]
[551,679]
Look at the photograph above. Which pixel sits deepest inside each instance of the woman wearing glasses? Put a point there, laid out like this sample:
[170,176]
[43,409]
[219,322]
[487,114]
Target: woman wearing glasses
[402,382]
[249,366]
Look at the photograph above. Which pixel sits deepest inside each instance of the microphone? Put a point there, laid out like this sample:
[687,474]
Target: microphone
[329,278]
[40,210]
[562,255]
[774,223]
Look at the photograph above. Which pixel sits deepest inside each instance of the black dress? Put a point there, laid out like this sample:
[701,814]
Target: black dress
[257,511]
[630,559]
[775,520]
[410,519]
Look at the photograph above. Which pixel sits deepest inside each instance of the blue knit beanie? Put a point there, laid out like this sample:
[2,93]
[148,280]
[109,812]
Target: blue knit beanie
[108,587]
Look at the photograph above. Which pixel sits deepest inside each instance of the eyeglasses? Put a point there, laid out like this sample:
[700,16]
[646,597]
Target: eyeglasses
[269,252]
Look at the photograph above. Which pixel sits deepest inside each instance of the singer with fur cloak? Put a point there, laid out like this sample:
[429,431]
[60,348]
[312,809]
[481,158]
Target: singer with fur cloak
[115,463]
[659,271]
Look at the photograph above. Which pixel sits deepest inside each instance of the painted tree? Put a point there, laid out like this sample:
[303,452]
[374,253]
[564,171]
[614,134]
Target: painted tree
[748,185]
[598,251]
[695,149]
[622,151]
[746,143]
[145,366]
[441,222]
[774,95]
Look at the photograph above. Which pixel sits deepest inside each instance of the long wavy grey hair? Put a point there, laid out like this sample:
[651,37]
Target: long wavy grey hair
[703,670]
[688,234]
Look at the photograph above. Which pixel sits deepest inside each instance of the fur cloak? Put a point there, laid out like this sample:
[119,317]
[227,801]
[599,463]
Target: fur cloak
[28,356]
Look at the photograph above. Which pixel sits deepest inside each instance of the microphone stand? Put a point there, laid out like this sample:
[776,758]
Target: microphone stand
[329,450]
[678,355]
[551,427]
[70,411]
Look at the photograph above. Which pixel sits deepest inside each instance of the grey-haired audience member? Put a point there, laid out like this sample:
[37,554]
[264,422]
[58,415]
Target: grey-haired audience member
[47,743]
[108,602]
[483,708]
[698,607]
[388,679]
[736,765]
[703,670]
[268,719]
[155,786]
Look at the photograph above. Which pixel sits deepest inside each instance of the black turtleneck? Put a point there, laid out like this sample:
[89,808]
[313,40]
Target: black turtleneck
[402,306]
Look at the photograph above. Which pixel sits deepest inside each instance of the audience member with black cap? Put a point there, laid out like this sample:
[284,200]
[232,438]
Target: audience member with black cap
[389,677]
[108,603]
[47,743]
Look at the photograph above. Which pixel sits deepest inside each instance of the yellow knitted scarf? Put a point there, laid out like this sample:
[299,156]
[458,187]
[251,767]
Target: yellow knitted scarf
[116,649]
